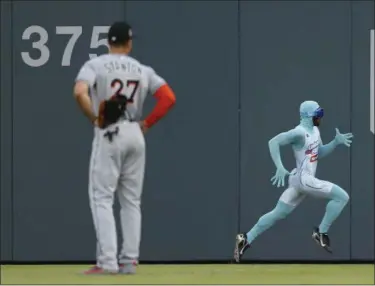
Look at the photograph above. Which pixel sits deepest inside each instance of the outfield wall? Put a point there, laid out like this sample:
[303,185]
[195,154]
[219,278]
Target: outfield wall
[240,71]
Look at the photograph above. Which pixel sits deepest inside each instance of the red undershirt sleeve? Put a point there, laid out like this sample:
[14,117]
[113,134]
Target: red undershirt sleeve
[165,100]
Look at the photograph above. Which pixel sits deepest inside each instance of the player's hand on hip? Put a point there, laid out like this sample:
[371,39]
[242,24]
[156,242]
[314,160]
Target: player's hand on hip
[345,139]
[143,126]
[95,122]
[279,178]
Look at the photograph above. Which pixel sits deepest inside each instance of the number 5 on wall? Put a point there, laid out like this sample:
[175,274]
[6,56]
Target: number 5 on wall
[95,42]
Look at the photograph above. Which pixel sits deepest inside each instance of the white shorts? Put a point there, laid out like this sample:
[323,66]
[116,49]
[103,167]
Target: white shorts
[302,184]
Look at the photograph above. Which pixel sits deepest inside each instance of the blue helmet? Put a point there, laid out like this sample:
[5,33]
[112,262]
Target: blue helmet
[310,109]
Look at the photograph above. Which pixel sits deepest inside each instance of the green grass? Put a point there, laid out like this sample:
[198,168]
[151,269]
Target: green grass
[195,274]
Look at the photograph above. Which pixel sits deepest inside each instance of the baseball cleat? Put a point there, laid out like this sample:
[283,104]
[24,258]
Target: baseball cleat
[98,271]
[322,239]
[241,246]
[128,268]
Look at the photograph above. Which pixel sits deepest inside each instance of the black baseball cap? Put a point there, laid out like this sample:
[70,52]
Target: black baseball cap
[119,33]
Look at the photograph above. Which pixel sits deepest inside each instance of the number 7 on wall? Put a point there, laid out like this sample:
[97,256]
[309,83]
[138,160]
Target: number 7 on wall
[75,31]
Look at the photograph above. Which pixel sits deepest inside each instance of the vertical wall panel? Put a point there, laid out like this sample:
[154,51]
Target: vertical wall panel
[362,199]
[292,51]
[6,131]
[52,140]
[192,164]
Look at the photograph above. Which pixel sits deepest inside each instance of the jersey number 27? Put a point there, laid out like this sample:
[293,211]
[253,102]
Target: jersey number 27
[120,86]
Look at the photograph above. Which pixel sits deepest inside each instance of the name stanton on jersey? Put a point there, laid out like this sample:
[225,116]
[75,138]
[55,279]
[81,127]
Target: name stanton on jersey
[128,67]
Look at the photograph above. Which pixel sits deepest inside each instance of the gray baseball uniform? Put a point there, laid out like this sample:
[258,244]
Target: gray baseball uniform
[118,154]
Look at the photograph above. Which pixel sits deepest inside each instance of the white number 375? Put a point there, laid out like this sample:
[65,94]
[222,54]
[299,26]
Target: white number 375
[74,32]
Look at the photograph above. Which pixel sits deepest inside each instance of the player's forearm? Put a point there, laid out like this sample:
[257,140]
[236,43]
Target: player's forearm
[274,148]
[165,101]
[81,94]
[84,102]
[327,149]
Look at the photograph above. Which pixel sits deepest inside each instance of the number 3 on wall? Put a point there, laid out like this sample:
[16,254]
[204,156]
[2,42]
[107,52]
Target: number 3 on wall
[41,43]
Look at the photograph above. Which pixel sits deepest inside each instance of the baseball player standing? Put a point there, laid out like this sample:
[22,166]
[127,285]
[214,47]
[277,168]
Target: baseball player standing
[110,91]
